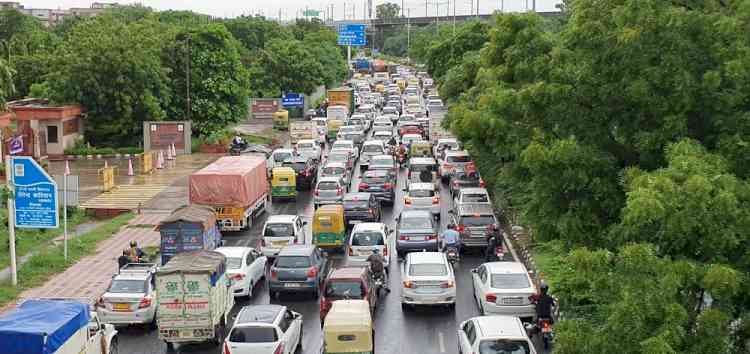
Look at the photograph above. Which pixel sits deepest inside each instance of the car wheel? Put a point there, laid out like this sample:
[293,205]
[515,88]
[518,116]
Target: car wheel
[405,307]
[298,349]
[316,293]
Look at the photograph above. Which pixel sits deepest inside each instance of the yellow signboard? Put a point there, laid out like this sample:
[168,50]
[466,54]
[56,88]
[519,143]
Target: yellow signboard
[147,162]
[108,178]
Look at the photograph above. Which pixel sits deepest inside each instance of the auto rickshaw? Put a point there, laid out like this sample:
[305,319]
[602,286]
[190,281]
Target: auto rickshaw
[329,228]
[348,328]
[420,149]
[283,183]
[281,120]
[333,126]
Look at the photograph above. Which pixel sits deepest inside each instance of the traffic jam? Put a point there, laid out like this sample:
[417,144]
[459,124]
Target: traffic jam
[371,232]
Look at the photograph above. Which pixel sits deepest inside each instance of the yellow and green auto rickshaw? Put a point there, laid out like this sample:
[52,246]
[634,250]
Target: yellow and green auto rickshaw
[333,126]
[348,328]
[329,228]
[283,183]
[281,120]
[420,149]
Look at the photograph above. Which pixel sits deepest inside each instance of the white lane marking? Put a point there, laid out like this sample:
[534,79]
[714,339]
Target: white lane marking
[441,342]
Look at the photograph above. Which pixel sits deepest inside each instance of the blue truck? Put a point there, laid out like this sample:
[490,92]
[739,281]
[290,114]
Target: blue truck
[189,228]
[363,65]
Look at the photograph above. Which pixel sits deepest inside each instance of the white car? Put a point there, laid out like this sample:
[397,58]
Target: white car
[346,145]
[384,136]
[445,144]
[278,157]
[472,196]
[427,279]
[422,196]
[504,288]
[368,236]
[131,297]
[309,149]
[280,231]
[382,124]
[265,329]
[494,334]
[369,149]
[246,267]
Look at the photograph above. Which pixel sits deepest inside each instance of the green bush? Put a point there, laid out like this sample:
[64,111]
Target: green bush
[130,150]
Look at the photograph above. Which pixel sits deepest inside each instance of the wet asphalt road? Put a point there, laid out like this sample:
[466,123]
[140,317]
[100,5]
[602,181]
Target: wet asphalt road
[424,331]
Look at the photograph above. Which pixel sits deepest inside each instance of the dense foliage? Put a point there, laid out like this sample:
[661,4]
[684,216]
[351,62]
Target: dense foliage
[387,10]
[130,65]
[620,133]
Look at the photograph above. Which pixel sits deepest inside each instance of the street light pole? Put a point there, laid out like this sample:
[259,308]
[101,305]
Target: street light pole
[187,79]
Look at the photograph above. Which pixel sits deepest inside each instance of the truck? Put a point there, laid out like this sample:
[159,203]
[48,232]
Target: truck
[379,66]
[55,326]
[189,228]
[236,187]
[342,96]
[436,126]
[194,298]
[362,65]
[302,130]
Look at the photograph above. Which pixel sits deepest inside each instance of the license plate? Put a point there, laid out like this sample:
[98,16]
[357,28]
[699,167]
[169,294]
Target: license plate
[292,285]
[546,330]
[355,221]
[121,307]
[416,238]
[280,243]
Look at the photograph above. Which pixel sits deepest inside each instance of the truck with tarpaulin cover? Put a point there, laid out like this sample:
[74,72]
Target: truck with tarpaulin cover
[189,228]
[55,326]
[236,187]
[194,298]
[363,65]
[342,96]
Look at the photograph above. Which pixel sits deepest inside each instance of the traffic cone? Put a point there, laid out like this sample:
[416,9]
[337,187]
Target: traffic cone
[67,168]
[130,167]
[169,153]
[160,160]
[105,164]
[174,151]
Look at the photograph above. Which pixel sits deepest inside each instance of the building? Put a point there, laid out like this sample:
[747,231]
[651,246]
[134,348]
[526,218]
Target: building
[10,5]
[47,130]
[51,17]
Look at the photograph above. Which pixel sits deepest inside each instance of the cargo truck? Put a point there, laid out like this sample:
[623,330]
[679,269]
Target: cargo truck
[55,326]
[363,65]
[236,187]
[343,96]
[194,298]
[189,228]
[379,66]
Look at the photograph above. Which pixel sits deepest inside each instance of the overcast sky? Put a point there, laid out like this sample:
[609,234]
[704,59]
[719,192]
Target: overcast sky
[290,8]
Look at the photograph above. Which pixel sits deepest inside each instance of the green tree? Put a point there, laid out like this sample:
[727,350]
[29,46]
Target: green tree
[387,11]
[448,52]
[6,83]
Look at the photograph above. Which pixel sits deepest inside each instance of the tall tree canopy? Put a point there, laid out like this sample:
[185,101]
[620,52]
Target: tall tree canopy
[387,11]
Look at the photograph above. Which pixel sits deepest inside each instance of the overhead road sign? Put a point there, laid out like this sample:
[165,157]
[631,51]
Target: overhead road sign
[36,198]
[352,35]
[293,100]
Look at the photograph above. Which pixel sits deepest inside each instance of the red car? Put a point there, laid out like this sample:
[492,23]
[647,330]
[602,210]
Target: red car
[348,283]
[411,128]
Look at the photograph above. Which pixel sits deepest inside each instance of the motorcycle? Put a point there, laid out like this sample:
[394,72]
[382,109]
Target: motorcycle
[542,327]
[380,281]
[236,149]
[451,252]
[497,255]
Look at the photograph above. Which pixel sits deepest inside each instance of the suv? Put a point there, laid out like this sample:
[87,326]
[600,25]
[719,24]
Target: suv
[361,206]
[348,283]
[265,329]
[280,231]
[384,162]
[298,268]
[329,190]
[461,179]
[306,169]
[131,297]
[475,223]
[484,334]
[455,160]
[428,279]
[369,149]
[379,183]
[504,288]
[416,230]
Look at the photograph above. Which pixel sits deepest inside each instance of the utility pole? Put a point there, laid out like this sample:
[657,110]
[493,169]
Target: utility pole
[187,79]
[502,5]
[402,8]
[454,18]
[11,220]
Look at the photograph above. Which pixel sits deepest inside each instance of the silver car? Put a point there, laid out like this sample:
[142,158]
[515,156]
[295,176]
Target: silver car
[131,297]
[336,169]
[329,190]
[416,230]
[422,196]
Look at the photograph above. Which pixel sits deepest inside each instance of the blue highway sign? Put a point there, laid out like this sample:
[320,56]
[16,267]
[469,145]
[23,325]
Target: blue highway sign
[293,100]
[35,195]
[353,35]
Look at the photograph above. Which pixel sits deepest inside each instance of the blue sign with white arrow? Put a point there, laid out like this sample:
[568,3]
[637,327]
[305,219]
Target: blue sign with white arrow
[35,194]
[293,100]
[353,35]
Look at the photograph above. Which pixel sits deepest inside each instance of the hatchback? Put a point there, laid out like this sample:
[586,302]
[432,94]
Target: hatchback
[384,162]
[504,288]
[494,334]
[280,231]
[336,169]
[365,238]
[380,183]
[427,279]
[454,160]
[369,149]
[348,283]
[306,169]
[329,190]
[265,329]
[360,207]
[298,268]
[416,230]
[422,196]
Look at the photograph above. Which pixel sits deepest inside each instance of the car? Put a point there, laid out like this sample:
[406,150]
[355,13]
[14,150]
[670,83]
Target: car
[455,160]
[416,230]
[348,283]
[379,183]
[336,169]
[355,133]
[246,267]
[308,148]
[280,231]
[368,110]
[360,207]
[347,145]
[384,136]
[445,144]
[365,238]
[130,297]
[342,156]
[360,120]
[494,334]
[504,288]
[329,190]
[474,223]
[278,157]
[405,119]
[298,268]
[265,329]
[434,102]
[422,196]
[369,149]
[389,110]
[306,169]
[462,179]
[472,196]
[411,128]
[411,138]
[427,279]
[382,124]
[384,162]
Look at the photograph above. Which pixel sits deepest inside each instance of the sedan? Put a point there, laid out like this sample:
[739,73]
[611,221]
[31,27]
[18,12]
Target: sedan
[336,169]
[504,288]
[416,230]
[246,267]
[428,279]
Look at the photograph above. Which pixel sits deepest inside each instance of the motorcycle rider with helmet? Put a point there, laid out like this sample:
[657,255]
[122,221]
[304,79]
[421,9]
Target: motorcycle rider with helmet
[377,267]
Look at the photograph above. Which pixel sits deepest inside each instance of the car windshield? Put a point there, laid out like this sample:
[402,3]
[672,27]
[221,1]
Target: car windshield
[367,238]
[338,157]
[131,286]
[356,204]
[278,230]
[504,346]
[292,262]
[475,198]
[480,220]
[381,162]
[420,167]
[428,269]
[416,222]
[509,281]
[334,171]
[234,262]
[421,193]
[343,290]
[296,166]
[253,335]
[305,146]
[328,185]
[372,179]
[372,148]
[341,146]
[282,156]
[458,159]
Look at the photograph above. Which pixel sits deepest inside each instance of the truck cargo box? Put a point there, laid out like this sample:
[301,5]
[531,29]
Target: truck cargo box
[42,326]
[230,181]
[189,228]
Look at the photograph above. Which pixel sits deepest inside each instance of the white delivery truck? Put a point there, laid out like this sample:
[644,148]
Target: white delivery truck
[55,326]
[436,126]
[303,130]
[195,298]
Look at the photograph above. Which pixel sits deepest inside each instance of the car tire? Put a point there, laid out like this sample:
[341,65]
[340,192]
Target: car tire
[298,349]
[316,293]
[170,346]
[405,307]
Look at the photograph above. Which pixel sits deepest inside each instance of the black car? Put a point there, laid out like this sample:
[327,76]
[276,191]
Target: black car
[379,183]
[307,171]
[361,207]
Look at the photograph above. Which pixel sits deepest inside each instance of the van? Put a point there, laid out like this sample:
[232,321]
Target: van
[365,238]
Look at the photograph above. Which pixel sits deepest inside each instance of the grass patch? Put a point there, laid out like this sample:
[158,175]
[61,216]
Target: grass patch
[28,240]
[50,260]
[548,258]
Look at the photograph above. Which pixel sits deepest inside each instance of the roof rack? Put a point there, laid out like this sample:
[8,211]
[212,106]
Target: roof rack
[138,268]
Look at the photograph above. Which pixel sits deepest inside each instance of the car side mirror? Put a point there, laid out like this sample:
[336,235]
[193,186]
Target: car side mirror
[474,271]
[451,212]
[304,222]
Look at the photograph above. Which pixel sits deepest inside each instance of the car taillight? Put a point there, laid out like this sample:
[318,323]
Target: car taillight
[408,284]
[351,251]
[431,237]
[408,175]
[226,348]
[447,284]
[262,242]
[312,272]
[317,192]
[274,274]
[238,276]
[385,251]
[339,191]
[481,183]
[490,297]
[372,212]
[460,228]
[363,186]
[387,186]
[403,238]
[279,349]
[407,200]
[145,302]
[455,184]
[435,200]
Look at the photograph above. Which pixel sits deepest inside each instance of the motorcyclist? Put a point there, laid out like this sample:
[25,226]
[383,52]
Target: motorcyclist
[135,253]
[492,243]
[401,152]
[377,267]
[544,303]
[451,237]
[238,141]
